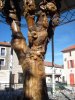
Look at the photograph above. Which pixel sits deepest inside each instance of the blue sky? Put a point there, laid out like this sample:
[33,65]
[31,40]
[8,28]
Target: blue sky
[64,36]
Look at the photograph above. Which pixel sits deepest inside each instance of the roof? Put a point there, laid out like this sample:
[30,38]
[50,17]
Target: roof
[70,48]
[5,44]
[49,64]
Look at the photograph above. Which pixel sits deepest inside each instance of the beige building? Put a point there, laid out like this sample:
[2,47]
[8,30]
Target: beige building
[10,70]
[69,65]
[17,73]
[5,53]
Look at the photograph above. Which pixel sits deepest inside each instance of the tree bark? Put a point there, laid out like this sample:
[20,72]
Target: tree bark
[31,57]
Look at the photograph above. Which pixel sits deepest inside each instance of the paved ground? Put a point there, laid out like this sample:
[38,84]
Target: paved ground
[63,92]
[63,95]
[59,95]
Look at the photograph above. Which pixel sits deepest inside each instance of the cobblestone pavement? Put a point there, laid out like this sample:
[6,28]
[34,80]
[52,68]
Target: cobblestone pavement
[62,95]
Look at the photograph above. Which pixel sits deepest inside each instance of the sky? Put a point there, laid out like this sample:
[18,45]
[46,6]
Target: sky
[64,36]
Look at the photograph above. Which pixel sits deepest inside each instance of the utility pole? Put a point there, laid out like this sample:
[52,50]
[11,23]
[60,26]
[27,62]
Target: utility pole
[53,69]
[11,65]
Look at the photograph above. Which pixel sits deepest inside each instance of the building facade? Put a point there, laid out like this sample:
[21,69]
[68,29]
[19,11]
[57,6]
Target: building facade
[5,51]
[49,70]
[4,61]
[69,65]
[11,71]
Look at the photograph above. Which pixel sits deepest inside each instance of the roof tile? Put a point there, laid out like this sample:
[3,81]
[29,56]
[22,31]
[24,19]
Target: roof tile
[5,44]
[69,48]
[49,64]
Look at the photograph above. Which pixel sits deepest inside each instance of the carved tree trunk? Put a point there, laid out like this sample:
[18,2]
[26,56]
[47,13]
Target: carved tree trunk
[31,57]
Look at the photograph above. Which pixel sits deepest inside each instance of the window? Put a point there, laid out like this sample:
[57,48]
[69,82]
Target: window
[72,63]
[2,51]
[65,59]
[68,64]
[70,53]
[12,78]
[2,62]
[20,78]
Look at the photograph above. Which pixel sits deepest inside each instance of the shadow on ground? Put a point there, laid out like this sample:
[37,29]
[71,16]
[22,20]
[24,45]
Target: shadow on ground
[11,94]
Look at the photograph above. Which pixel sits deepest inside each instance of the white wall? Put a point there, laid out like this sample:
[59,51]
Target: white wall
[4,76]
[66,71]
[16,67]
[49,70]
[4,79]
